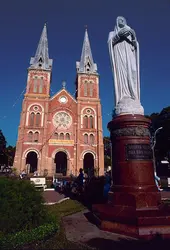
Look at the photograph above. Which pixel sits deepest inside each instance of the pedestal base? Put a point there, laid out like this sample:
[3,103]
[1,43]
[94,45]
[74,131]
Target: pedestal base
[134,206]
[142,224]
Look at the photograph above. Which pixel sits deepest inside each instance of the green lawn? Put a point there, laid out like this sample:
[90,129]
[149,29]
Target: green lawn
[59,241]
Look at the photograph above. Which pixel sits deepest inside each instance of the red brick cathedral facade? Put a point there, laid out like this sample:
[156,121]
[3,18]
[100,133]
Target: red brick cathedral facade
[62,133]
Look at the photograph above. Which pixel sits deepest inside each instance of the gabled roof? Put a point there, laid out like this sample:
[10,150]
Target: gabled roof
[67,93]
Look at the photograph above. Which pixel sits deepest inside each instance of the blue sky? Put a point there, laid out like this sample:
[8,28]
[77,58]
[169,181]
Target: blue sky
[21,23]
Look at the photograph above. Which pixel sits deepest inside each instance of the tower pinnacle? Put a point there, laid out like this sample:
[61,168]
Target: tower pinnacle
[86,64]
[41,59]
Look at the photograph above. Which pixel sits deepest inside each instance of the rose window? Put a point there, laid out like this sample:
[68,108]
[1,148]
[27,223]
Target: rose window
[62,120]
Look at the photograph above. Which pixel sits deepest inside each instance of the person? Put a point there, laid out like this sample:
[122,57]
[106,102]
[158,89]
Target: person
[71,175]
[28,168]
[80,179]
[124,57]
[85,175]
[22,174]
[109,169]
[157,181]
[36,173]
[107,184]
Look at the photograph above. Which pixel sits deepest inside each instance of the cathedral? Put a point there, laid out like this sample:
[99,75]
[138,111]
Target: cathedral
[62,133]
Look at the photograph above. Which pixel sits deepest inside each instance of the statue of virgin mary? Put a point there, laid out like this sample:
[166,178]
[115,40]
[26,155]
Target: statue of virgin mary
[124,56]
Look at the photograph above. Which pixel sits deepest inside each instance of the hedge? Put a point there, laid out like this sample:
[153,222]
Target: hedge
[22,238]
[21,206]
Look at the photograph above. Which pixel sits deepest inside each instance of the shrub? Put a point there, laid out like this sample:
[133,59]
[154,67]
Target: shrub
[25,237]
[21,206]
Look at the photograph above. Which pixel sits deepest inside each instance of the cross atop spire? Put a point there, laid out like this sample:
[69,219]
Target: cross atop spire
[63,84]
[86,64]
[41,59]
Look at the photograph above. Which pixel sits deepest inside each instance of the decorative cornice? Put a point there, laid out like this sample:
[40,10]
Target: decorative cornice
[133,131]
[36,95]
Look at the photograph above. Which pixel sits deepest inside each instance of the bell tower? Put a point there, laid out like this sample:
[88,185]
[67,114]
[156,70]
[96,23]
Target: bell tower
[90,150]
[39,72]
[33,120]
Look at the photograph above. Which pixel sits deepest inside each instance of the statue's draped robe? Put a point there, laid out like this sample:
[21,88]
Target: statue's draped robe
[125,64]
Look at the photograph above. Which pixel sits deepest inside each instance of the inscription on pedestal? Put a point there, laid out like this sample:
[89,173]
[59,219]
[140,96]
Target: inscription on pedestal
[138,152]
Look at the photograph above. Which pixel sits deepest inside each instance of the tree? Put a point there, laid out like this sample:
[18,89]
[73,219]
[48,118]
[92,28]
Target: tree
[7,154]
[163,137]
[3,159]
[10,153]
[107,151]
[162,147]
[2,142]
[107,146]
[153,117]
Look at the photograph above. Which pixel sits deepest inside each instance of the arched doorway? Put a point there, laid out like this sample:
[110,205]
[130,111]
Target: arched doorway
[32,160]
[61,163]
[88,164]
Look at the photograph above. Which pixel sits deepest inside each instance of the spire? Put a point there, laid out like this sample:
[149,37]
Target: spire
[86,64]
[41,59]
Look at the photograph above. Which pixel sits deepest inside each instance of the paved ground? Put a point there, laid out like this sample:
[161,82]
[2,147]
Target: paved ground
[52,196]
[79,230]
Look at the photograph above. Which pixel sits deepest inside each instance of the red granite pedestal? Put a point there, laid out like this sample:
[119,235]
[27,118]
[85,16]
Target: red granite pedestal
[134,206]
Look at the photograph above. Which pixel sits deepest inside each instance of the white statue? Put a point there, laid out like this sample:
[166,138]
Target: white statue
[124,55]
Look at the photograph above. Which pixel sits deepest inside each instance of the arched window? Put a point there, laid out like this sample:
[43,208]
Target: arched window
[67,136]
[88,65]
[37,122]
[41,85]
[91,122]
[85,121]
[61,136]
[32,115]
[91,88]
[40,62]
[85,138]
[36,136]
[35,84]
[30,136]
[91,139]
[85,88]
[56,135]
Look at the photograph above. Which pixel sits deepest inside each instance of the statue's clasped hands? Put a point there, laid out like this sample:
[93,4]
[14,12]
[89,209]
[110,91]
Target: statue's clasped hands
[124,32]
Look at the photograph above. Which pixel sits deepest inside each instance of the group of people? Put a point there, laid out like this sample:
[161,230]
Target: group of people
[107,184]
[23,174]
[80,180]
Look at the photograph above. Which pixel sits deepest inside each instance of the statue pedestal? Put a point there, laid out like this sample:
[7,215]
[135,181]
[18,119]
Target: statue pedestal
[134,206]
